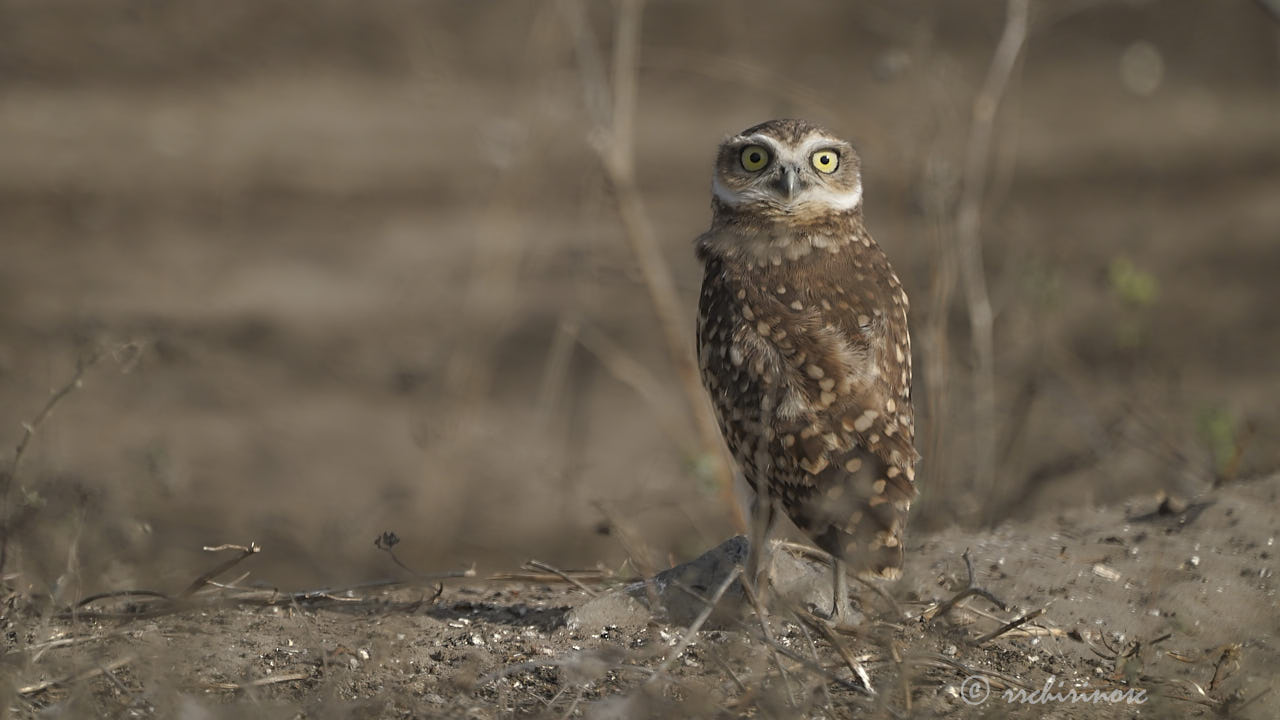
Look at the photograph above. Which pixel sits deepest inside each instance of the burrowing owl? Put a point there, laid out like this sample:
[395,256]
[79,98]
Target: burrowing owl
[803,344]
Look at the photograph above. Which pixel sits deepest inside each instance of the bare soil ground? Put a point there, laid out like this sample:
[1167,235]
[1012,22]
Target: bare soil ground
[1166,612]
[350,268]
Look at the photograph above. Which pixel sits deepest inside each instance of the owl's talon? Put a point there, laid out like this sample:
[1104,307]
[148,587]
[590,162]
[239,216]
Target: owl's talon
[842,613]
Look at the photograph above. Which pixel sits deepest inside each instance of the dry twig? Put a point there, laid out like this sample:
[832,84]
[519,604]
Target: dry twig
[8,478]
[681,646]
[1009,626]
[260,682]
[614,143]
[748,589]
[44,685]
[539,565]
[215,571]
[833,639]
[969,241]
[970,590]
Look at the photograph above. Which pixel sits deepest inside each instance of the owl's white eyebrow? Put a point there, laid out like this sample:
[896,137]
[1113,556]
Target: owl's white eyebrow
[810,146]
[818,143]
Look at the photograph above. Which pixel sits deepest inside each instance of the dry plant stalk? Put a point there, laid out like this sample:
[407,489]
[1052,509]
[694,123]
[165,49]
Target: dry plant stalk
[614,144]
[539,565]
[44,685]
[692,632]
[8,478]
[969,241]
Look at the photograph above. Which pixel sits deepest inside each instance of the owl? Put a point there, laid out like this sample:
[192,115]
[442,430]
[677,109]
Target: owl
[803,346]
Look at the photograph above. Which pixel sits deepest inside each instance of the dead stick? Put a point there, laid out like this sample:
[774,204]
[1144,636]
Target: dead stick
[697,623]
[29,431]
[832,639]
[71,679]
[539,565]
[1009,626]
[969,241]
[753,597]
[123,594]
[251,549]
[813,650]
[614,146]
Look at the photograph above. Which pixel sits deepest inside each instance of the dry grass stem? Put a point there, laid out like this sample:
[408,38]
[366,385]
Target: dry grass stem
[833,639]
[749,589]
[44,685]
[29,429]
[969,241]
[630,372]
[692,632]
[260,682]
[244,552]
[970,590]
[1009,626]
[539,565]
[614,144]
[584,576]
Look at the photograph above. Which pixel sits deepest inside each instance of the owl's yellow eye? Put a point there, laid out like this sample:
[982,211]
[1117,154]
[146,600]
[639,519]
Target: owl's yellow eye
[825,161]
[754,158]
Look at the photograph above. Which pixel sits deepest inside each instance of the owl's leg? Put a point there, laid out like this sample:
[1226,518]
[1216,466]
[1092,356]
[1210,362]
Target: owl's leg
[764,520]
[842,612]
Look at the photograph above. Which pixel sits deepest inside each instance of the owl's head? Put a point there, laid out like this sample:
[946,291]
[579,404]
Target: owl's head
[788,169]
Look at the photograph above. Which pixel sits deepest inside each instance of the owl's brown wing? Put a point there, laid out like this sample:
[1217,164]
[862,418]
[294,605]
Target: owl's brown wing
[841,445]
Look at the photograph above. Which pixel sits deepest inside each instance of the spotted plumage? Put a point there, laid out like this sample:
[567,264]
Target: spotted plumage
[803,343]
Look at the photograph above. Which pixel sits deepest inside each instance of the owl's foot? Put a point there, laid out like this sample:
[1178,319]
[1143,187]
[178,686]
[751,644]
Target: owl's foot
[842,613]
[764,522]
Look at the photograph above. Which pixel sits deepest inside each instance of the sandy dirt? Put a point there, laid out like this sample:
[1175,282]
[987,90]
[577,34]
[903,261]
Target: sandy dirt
[355,268]
[1141,611]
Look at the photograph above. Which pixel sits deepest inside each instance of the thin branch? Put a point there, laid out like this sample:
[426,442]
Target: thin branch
[969,240]
[683,645]
[539,565]
[73,679]
[971,588]
[748,589]
[813,650]
[626,64]
[815,668]
[215,571]
[260,682]
[1009,626]
[122,594]
[613,143]
[8,479]
[833,640]
[942,661]
[626,369]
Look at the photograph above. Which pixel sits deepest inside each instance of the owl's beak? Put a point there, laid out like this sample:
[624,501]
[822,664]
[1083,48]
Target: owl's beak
[787,183]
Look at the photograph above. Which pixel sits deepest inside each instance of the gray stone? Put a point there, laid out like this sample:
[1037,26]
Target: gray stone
[679,595]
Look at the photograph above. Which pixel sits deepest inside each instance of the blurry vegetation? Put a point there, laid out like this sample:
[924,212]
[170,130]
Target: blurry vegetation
[1225,438]
[1132,285]
[1137,291]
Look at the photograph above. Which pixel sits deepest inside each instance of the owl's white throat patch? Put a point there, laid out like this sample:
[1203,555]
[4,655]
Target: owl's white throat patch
[813,198]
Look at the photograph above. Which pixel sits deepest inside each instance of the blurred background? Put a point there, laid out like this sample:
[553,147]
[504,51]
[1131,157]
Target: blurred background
[355,267]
